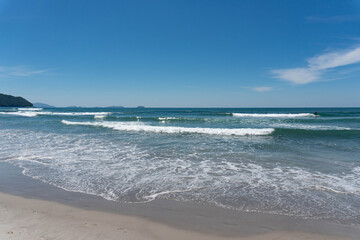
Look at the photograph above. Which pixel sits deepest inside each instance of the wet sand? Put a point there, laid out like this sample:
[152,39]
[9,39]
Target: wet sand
[31,209]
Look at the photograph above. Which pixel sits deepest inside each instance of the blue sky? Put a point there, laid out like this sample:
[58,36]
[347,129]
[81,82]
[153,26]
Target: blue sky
[188,53]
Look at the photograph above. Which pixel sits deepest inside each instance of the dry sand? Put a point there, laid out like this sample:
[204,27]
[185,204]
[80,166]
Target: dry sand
[32,219]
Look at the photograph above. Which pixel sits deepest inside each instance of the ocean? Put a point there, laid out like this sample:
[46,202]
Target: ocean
[284,161]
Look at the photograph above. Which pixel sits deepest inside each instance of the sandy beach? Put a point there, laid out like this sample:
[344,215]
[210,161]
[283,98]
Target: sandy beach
[37,219]
[31,210]
[179,120]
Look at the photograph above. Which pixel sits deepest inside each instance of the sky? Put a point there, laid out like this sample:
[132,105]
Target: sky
[182,53]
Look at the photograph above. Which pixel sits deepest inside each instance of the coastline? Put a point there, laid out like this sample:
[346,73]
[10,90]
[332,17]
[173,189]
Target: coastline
[32,209]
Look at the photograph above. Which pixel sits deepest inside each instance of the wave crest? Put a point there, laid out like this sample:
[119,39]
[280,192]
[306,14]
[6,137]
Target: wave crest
[24,114]
[30,109]
[74,113]
[274,115]
[161,129]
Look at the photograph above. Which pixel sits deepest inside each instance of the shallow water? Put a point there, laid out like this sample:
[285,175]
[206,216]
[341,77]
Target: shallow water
[284,161]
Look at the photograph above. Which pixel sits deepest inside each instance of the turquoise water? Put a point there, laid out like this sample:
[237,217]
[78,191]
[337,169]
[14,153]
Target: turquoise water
[283,161]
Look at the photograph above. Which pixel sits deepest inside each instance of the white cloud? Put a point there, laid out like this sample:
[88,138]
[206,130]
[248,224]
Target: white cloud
[262,89]
[19,71]
[318,65]
[335,59]
[298,75]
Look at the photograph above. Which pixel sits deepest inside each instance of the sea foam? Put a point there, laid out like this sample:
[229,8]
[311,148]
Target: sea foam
[30,109]
[74,113]
[225,173]
[24,114]
[161,129]
[311,127]
[274,115]
[37,111]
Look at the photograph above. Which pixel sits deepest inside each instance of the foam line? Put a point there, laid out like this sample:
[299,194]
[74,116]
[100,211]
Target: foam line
[274,115]
[24,114]
[161,129]
[30,109]
[74,113]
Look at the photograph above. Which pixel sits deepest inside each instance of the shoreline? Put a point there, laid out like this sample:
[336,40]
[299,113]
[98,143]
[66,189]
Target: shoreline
[27,203]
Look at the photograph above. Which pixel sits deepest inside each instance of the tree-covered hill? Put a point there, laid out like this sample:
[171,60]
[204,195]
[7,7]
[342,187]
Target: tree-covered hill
[11,101]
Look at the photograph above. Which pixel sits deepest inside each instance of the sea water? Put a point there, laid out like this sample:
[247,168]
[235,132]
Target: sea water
[281,161]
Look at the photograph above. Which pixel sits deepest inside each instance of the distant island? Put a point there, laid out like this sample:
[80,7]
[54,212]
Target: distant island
[11,101]
[42,105]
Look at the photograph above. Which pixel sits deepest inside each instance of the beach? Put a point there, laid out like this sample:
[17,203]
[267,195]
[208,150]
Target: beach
[31,210]
[180,120]
[105,173]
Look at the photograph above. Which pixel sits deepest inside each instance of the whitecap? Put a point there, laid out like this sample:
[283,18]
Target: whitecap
[274,115]
[30,109]
[24,114]
[167,118]
[161,129]
[310,127]
[100,116]
[74,113]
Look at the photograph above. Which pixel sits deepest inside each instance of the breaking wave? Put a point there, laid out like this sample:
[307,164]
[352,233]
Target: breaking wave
[24,114]
[74,113]
[274,115]
[30,109]
[311,127]
[161,129]
[34,112]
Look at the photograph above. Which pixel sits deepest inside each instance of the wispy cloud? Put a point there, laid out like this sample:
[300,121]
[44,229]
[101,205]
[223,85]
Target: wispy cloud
[298,75]
[335,59]
[334,19]
[20,71]
[317,66]
[262,89]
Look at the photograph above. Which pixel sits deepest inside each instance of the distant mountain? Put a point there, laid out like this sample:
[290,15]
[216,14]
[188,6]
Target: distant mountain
[140,107]
[42,105]
[11,101]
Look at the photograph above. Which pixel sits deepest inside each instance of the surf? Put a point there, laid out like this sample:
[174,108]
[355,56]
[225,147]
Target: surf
[274,115]
[136,127]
